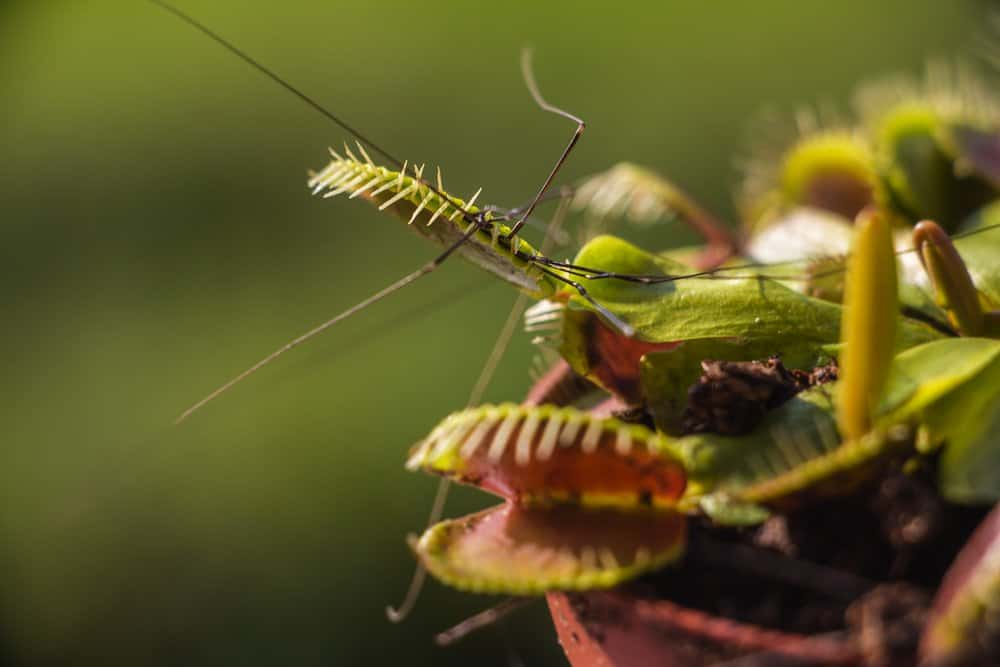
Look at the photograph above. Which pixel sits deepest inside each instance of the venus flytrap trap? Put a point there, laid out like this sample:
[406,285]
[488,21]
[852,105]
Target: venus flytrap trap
[842,353]
[910,395]
[825,169]
[645,198]
[589,501]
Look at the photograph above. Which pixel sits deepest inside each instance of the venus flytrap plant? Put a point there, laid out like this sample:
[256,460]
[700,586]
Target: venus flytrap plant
[907,390]
[829,441]
[800,445]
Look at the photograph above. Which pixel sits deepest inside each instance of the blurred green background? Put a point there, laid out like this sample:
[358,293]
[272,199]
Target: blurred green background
[158,238]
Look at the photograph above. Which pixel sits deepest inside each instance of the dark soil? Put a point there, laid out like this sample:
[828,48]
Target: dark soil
[862,567]
[731,397]
[865,566]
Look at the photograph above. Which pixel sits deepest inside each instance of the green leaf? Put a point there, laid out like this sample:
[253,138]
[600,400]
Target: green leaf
[668,375]
[605,356]
[730,463]
[924,374]
[519,550]
[759,315]
[952,389]
[949,388]
[970,466]
[545,454]
[745,308]
[794,446]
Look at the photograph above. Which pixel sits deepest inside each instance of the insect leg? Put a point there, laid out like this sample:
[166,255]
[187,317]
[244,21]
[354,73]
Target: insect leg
[374,298]
[563,192]
[614,320]
[398,614]
[271,74]
[721,272]
[480,620]
[529,80]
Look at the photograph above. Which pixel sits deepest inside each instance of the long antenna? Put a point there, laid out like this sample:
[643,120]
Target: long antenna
[720,272]
[245,57]
[377,296]
[269,73]
[474,225]
[536,94]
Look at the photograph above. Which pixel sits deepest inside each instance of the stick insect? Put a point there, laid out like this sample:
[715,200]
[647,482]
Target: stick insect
[485,236]
[482,221]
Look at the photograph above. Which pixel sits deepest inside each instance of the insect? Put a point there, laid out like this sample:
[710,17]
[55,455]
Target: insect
[611,294]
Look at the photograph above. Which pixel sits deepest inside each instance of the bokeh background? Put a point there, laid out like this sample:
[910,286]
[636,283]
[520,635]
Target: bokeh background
[157,237]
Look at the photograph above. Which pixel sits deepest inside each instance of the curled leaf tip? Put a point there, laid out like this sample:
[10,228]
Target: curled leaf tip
[952,283]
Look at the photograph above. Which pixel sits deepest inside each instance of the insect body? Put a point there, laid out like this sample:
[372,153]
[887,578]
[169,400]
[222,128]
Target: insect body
[413,200]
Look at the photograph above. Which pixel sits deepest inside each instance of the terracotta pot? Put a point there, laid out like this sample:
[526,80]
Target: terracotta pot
[610,628]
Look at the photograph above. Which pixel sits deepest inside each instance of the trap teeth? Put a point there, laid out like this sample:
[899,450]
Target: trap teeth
[528,550]
[543,316]
[544,453]
[502,437]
